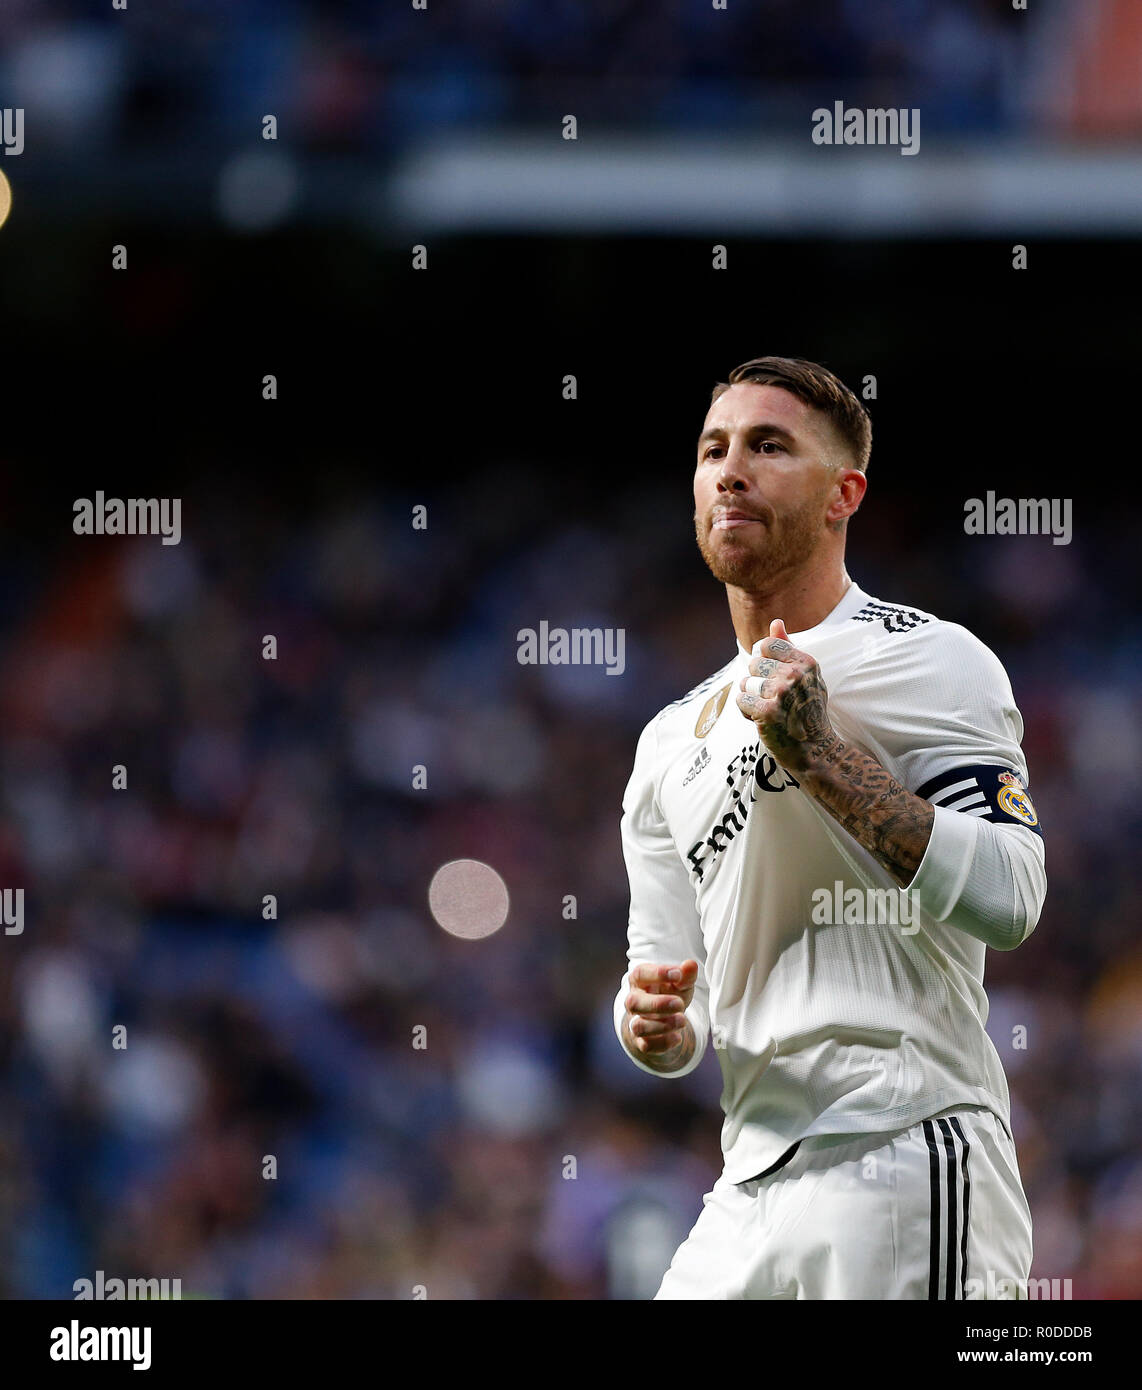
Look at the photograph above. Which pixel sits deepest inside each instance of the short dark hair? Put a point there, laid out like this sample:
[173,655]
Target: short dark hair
[817,387]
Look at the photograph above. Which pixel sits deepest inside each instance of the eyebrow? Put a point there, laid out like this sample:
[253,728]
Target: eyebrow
[717,432]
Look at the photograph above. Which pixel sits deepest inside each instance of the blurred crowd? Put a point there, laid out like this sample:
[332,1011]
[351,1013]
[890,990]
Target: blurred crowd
[251,907]
[357,77]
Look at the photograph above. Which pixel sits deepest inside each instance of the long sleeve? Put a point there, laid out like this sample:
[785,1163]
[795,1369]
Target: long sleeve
[988,880]
[951,733]
[663,925]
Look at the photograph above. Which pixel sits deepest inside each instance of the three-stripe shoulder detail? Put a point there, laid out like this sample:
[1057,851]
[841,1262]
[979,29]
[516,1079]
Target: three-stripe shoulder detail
[893,616]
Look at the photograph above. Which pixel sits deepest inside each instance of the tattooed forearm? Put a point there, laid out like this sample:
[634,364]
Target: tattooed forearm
[786,697]
[863,797]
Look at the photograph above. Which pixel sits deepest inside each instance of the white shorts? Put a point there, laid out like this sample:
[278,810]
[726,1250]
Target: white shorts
[936,1211]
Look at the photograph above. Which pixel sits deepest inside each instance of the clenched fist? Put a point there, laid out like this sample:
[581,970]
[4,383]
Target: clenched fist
[656,1029]
[786,698]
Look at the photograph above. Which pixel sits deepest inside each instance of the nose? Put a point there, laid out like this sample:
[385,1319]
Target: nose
[731,477]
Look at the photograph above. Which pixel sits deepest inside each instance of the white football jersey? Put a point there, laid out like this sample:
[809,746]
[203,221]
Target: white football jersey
[832,1011]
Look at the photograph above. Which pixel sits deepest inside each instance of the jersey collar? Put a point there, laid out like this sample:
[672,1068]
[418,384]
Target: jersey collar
[853,598]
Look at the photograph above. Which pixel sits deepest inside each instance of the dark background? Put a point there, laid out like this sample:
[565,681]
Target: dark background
[443,1168]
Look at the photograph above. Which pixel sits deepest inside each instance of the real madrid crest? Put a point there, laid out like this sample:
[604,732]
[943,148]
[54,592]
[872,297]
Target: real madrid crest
[710,711]
[1014,800]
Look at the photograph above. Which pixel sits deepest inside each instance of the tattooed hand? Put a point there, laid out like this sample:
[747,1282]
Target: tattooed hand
[786,697]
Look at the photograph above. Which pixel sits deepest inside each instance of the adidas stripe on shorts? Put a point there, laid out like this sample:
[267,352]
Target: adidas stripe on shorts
[925,1212]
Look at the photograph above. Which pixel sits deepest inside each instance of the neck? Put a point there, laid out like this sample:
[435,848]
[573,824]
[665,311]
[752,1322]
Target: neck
[801,600]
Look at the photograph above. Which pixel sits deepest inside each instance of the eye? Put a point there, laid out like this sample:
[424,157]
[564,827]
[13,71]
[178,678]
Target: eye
[770,444]
[712,449]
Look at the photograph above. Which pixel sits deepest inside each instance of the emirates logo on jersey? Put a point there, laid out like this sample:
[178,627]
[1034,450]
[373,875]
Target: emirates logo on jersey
[750,772]
[710,711]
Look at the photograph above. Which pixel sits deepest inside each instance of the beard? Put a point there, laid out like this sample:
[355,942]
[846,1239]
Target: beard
[753,558]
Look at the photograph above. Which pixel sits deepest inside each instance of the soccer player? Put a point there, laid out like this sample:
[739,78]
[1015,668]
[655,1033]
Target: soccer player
[821,840]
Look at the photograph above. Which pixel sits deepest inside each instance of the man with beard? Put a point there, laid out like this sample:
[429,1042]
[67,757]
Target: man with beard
[816,868]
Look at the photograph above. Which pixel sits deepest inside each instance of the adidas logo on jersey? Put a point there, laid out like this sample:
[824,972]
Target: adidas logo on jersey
[894,618]
[700,763]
